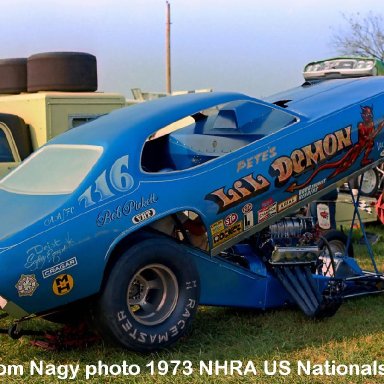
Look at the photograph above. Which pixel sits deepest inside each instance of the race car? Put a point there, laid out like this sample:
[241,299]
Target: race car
[151,210]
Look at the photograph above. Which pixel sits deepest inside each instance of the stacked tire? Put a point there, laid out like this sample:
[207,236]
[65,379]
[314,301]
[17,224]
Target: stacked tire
[51,71]
[13,76]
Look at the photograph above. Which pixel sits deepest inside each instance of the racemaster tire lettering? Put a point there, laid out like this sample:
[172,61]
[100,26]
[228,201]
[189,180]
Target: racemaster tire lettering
[172,332]
[117,319]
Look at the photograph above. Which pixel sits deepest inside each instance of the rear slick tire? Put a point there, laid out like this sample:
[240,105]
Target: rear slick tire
[150,297]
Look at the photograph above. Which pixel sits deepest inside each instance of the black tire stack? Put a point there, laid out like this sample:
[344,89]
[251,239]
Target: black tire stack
[13,76]
[51,71]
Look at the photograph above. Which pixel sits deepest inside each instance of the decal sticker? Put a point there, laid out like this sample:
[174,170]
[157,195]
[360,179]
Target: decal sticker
[49,252]
[129,207]
[267,212]
[55,269]
[285,204]
[331,145]
[309,156]
[323,216]
[311,189]
[27,285]
[242,189]
[248,220]
[111,181]
[250,162]
[59,217]
[143,216]
[217,227]
[267,202]
[62,284]
[227,233]
[247,208]
[230,219]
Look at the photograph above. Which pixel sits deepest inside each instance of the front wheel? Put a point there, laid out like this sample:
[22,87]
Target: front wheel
[150,297]
[370,183]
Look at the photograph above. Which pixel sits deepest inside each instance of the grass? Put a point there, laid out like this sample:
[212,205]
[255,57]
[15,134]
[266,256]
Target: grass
[355,335]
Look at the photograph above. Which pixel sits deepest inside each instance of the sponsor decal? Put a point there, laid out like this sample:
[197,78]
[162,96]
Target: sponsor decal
[62,284]
[323,216]
[55,269]
[267,212]
[311,189]
[248,220]
[140,217]
[129,207]
[250,162]
[285,204]
[217,227]
[247,208]
[230,219]
[268,202]
[228,233]
[27,285]
[242,189]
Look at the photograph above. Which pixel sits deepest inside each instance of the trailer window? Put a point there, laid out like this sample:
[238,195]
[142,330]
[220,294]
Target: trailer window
[6,155]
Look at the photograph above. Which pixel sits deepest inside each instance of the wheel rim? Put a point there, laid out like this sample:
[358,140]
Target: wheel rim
[369,181]
[327,267]
[152,294]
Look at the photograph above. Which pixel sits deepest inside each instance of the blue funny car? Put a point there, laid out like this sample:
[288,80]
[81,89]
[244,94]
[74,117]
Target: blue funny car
[153,209]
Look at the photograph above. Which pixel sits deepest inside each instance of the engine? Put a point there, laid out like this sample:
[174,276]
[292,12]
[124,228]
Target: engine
[293,231]
[290,240]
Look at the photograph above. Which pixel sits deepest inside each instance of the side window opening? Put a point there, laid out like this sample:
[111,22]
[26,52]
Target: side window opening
[210,134]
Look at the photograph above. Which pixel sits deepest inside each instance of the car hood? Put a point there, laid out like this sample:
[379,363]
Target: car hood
[318,98]
[19,212]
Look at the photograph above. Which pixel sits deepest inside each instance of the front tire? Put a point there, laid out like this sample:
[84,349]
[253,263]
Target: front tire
[370,183]
[150,297]
[337,241]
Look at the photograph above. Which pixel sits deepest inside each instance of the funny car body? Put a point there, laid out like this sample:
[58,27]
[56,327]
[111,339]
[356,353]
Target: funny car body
[151,210]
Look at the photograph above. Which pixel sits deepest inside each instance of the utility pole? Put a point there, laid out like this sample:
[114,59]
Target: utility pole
[168,49]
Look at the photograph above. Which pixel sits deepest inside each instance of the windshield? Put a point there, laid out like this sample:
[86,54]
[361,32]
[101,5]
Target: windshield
[52,170]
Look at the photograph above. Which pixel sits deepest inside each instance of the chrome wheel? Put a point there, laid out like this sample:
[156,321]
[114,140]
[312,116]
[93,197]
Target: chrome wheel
[152,294]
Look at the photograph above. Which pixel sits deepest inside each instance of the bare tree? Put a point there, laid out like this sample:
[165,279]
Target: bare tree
[364,37]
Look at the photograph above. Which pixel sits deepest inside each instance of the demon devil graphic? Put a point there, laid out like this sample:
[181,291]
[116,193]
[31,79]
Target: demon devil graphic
[366,137]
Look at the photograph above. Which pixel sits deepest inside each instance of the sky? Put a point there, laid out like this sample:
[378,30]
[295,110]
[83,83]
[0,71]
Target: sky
[250,46]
